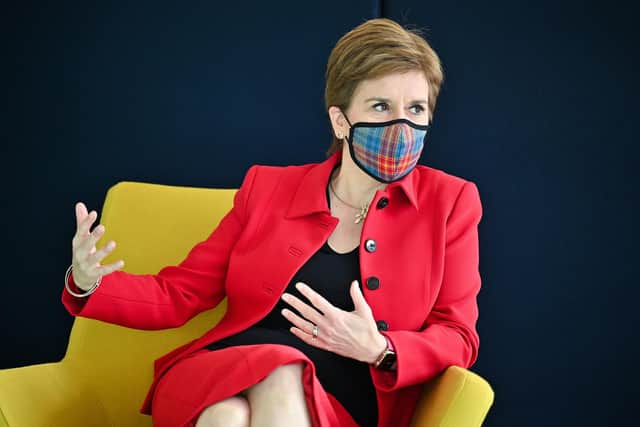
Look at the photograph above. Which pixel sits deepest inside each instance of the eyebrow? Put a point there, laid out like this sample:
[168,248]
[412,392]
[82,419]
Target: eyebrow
[415,101]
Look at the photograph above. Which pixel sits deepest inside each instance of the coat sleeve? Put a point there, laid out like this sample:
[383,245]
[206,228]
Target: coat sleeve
[177,292]
[449,336]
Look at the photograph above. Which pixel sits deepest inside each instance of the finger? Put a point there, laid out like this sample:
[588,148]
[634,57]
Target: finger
[86,246]
[359,302]
[103,270]
[316,299]
[81,219]
[83,229]
[315,342]
[81,213]
[94,236]
[86,223]
[97,256]
[305,309]
[298,321]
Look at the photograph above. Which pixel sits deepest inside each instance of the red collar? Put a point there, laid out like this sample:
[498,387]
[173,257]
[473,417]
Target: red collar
[311,195]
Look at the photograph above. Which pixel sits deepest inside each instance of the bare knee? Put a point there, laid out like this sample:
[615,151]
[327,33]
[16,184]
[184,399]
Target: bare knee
[281,384]
[231,412]
[280,396]
[285,378]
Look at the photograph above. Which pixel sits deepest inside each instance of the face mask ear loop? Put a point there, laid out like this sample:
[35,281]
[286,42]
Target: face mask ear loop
[350,125]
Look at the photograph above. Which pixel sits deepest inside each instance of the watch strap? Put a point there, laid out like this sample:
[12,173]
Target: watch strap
[388,351]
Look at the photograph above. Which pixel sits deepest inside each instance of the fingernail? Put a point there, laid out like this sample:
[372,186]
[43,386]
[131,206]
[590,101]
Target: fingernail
[300,285]
[285,296]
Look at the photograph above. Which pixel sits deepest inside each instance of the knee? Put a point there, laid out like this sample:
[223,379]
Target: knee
[231,412]
[286,377]
[281,384]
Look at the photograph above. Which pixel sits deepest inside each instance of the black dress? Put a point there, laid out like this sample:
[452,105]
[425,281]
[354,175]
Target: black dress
[329,273]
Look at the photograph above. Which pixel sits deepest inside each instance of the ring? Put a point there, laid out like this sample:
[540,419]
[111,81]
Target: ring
[315,331]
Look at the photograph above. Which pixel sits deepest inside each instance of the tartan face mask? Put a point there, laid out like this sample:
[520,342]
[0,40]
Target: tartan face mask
[386,151]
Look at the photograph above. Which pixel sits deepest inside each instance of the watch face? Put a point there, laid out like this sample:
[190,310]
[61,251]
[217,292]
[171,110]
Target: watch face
[388,362]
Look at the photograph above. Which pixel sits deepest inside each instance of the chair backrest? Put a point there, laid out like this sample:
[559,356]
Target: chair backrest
[153,225]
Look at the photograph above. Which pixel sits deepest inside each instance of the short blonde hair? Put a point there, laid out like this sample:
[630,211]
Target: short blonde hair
[374,49]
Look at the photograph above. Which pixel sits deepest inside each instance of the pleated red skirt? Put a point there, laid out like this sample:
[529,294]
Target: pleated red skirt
[206,377]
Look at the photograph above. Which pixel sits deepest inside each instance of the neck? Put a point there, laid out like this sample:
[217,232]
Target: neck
[353,185]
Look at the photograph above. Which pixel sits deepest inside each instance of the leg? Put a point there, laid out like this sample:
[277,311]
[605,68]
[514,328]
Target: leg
[231,412]
[279,399]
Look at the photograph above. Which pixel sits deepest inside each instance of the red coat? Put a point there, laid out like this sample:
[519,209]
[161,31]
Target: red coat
[426,260]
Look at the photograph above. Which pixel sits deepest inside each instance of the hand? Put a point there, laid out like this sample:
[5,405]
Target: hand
[85,258]
[350,334]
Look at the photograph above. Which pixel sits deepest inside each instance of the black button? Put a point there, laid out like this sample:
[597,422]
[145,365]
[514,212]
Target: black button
[382,325]
[382,203]
[370,245]
[373,283]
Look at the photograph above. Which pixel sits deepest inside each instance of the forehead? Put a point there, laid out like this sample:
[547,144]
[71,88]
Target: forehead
[411,84]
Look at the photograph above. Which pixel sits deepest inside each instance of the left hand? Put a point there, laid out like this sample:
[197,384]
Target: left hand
[350,334]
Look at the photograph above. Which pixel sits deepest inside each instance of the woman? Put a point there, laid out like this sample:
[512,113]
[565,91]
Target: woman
[349,282]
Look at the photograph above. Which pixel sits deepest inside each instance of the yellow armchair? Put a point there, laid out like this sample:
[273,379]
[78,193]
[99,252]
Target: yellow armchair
[104,375]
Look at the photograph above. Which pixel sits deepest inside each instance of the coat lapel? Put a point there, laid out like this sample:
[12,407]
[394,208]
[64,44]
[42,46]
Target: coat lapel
[291,240]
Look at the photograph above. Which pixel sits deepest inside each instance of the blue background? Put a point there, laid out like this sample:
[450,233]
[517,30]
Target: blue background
[538,108]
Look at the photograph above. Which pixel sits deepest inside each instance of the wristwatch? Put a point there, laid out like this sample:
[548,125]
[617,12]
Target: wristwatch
[387,359]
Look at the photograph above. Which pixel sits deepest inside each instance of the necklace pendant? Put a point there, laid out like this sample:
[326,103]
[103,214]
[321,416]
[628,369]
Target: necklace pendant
[360,216]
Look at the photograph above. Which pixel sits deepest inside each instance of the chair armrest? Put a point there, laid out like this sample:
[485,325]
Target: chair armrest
[45,395]
[456,398]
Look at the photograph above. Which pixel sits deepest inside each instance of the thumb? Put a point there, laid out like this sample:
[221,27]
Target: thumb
[359,302]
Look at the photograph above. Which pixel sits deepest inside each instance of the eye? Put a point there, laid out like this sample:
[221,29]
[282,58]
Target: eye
[420,108]
[381,104]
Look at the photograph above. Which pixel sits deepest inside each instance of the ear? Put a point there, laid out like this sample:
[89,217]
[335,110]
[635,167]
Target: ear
[338,122]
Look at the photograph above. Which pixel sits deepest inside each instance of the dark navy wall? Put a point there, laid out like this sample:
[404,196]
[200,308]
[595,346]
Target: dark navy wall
[537,108]
[166,92]
[540,109]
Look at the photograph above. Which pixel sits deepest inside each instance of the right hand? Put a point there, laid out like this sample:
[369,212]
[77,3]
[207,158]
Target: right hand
[85,258]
